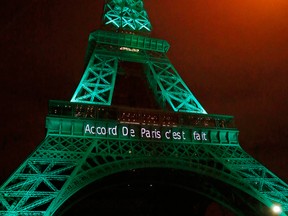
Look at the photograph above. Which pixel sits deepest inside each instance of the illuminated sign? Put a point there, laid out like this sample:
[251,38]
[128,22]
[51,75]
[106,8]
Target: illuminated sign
[129,49]
[145,132]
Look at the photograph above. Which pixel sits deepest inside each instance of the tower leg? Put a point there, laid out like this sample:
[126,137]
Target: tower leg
[98,81]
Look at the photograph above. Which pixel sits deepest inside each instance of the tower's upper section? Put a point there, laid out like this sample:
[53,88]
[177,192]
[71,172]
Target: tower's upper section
[126,15]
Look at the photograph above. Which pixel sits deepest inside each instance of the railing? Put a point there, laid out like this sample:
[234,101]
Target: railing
[138,116]
[130,40]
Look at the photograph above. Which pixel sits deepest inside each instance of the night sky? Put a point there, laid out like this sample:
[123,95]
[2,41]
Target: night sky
[233,55]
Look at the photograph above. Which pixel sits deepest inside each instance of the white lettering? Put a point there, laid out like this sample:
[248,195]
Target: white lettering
[101,130]
[93,130]
[125,131]
[168,134]
[145,132]
[156,134]
[87,129]
[176,135]
[183,135]
[204,136]
[142,131]
[132,132]
[112,130]
[196,136]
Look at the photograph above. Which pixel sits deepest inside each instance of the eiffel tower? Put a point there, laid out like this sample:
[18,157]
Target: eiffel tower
[112,127]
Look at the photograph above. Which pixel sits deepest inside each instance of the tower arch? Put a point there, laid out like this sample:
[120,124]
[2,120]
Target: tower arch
[89,139]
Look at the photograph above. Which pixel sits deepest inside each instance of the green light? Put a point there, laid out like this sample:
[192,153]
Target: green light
[128,15]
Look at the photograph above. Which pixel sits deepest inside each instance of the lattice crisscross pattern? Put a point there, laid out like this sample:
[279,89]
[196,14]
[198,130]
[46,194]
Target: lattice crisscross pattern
[127,14]
[98,81]
[62,165]
[69,159]
[254,174]
[171,89]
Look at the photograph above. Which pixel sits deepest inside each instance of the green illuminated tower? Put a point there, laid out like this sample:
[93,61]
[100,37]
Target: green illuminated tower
[108,129]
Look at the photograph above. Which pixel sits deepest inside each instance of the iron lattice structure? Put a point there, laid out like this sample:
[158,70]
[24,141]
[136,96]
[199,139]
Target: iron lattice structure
[108,48]
[88,138]
[127,15]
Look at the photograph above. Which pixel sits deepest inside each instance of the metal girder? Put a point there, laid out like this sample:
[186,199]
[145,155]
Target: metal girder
[85,142]
[127,15]
[169,88]
[98,81]
[65,163]
[128,40]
